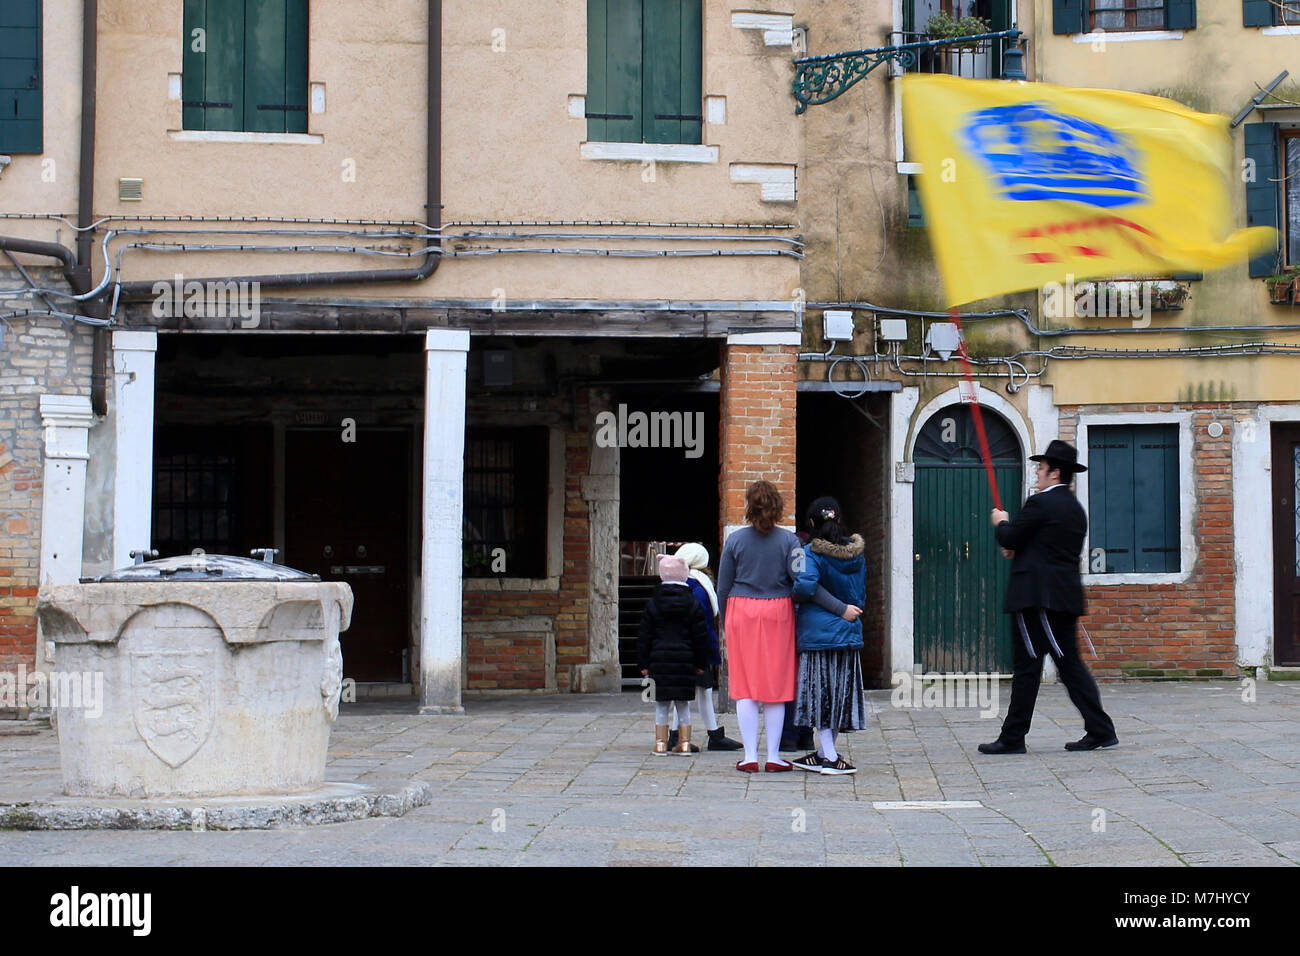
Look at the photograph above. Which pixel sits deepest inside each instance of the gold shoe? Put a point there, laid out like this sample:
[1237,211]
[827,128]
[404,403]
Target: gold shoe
[684,741]
[661,740]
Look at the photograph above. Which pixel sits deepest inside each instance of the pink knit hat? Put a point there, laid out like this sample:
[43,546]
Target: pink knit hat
[672,569]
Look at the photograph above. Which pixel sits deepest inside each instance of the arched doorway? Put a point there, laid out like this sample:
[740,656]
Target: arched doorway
[959,574]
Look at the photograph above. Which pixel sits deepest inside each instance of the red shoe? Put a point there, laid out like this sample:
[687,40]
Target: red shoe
[751,767]
[778,767]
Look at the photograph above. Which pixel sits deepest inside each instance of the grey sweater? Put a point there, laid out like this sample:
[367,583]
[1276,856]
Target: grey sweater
[756,565]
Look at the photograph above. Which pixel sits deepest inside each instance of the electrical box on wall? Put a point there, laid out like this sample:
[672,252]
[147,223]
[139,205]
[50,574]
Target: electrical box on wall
[893,330]
[498,369]
[944,338]
[837,325]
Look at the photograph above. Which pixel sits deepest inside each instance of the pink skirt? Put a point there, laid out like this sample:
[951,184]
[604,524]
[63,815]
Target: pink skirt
[760,648]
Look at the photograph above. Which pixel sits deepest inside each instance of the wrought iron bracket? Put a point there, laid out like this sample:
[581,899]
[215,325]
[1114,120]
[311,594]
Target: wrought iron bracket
[820,79]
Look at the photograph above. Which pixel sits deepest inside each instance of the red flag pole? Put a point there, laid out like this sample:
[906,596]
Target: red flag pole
[975,410]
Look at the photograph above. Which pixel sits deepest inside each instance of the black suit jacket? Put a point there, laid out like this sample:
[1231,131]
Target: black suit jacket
[1047,537]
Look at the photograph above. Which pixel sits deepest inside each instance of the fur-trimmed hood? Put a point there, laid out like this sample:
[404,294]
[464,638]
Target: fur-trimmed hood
[843,552]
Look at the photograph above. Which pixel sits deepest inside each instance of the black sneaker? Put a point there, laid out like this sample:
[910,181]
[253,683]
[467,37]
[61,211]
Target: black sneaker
[810,762]
[840,766]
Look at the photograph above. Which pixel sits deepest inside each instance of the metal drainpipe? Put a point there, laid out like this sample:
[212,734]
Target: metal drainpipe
[82,280]
[144,289]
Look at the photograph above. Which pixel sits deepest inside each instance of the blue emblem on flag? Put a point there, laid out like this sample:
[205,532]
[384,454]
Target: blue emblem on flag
[1035,153]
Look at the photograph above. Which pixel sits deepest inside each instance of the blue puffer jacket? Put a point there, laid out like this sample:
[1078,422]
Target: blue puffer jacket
[842,570]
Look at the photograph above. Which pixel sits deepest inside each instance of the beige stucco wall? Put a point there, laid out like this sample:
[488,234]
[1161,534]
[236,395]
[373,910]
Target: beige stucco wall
[510,149]
[47,182]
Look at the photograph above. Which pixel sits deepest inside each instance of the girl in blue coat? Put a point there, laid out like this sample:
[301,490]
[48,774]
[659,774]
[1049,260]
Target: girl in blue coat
[828,640]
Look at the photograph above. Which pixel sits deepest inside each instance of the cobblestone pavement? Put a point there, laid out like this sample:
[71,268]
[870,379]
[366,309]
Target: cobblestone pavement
[1200,777]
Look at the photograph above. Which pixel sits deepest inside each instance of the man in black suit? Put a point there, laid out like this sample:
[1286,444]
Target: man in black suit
[1045,596]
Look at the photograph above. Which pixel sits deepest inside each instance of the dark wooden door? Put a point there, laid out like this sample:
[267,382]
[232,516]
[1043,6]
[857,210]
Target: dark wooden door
[1286,545]
[347,519]
[959,574]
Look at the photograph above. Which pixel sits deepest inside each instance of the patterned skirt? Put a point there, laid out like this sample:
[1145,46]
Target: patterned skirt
[830,693]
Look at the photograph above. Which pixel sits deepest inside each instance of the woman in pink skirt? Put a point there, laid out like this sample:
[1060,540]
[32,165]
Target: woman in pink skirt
[755,580]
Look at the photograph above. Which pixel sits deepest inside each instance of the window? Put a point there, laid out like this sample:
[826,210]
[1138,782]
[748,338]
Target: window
[1267,203]
[245,66]
[1133,489]
[1291,192]
[915,215]
[644,71]
[1270,13]
[1084,16]
[506,478]
[20,76]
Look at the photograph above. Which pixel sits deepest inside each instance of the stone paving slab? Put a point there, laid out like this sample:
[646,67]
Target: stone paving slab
[1200,778]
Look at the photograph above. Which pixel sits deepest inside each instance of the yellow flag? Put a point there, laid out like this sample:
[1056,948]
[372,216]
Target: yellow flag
[1026,183]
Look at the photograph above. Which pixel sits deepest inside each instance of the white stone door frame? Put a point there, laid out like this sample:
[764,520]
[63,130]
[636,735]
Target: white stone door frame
[1252,528]
[133,408]
[905,422]
[441,637]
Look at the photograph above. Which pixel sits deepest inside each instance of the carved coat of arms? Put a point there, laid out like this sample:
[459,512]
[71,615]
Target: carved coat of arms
[174,701]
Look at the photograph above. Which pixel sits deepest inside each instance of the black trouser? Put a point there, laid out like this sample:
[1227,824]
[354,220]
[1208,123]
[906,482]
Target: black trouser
[1028,673]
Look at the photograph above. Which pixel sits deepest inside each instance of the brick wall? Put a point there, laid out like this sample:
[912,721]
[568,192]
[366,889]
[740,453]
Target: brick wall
[872,527]
[40,354]
[509,623]
[758,425]
[1175,629]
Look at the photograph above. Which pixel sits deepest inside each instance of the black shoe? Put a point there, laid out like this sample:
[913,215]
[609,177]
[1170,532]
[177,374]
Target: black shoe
[1089,742]
[718,740]
[672,740]
[809,762]
[1000,746]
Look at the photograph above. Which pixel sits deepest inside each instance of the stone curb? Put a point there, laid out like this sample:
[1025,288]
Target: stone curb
[273,814]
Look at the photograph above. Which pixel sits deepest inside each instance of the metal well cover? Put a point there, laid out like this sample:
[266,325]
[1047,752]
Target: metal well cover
[204,567]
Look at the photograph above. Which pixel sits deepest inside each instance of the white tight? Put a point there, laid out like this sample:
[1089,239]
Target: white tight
[773,720]
[704,701]
[681,710]
[827,748]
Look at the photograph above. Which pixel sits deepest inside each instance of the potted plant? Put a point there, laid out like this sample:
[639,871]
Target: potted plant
[1281,286]
[942,26]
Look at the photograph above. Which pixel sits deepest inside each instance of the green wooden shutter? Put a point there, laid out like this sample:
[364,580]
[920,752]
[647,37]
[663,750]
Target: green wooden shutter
[1258,13]
[1180,14]
[671,56]
[212,81]
[915,215]
[1262,199]
[614,51]
[1068,16]
[1110,496]
[1155,497]
[275,66]
[20,77]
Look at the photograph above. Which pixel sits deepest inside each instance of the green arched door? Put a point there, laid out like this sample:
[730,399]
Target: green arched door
[958,574]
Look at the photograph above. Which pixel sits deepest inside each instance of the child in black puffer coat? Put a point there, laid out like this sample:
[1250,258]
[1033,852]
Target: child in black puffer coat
[672,649]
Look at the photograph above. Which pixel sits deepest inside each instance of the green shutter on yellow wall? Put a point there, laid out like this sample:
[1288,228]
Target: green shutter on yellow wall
[1133,498]
[245,65]
[20,76]
[614,71]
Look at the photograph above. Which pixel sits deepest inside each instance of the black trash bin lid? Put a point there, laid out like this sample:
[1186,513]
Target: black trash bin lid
[203,567]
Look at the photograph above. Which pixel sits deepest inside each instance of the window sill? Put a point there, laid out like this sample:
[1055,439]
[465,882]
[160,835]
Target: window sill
[1127,36]
[237,136]
[909,169]
[510,584]
[656,152]
[1280,31]
[1153,577]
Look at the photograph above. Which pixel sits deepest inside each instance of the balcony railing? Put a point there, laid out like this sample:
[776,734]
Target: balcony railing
[820,79]
[979,59]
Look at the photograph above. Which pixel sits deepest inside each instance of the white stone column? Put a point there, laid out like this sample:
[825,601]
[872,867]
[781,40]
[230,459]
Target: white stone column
[901,647]
[66,421]
[133,388]
[441,646]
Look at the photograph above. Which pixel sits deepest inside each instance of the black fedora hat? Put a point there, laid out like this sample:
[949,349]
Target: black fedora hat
[1065,456]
